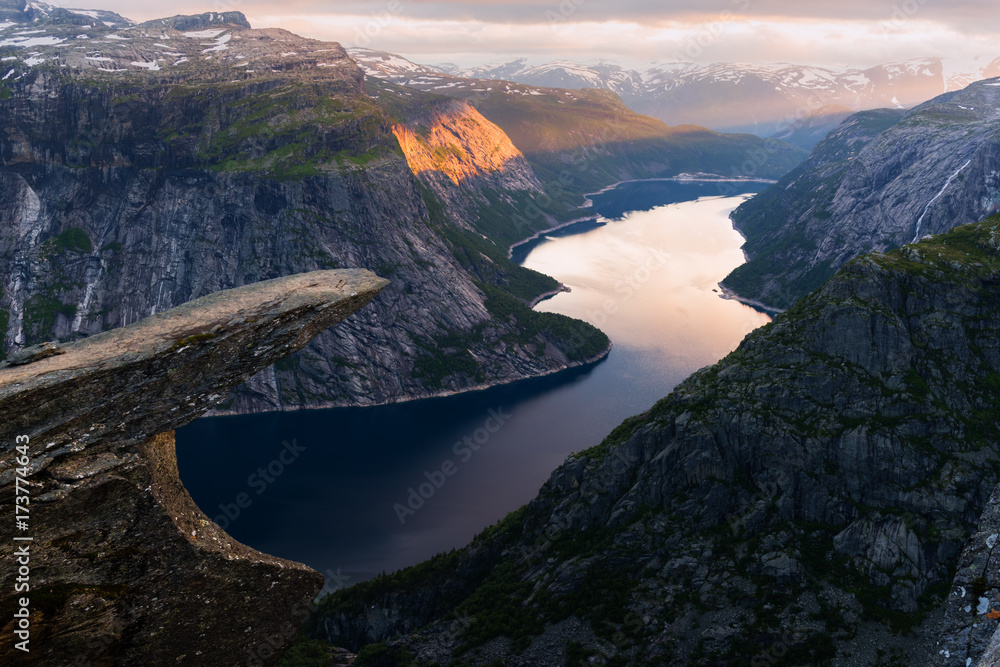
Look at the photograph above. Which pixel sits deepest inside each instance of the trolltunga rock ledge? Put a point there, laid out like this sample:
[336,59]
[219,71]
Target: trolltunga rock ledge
[125,569]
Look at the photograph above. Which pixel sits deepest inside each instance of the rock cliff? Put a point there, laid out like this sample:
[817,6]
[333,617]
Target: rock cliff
[808,497]
[969,633]
[453,141]
[122,568]
[144,166]
[879,180]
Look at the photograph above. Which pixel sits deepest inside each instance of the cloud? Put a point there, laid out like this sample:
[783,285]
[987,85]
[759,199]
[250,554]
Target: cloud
[856,43]
[963,15]
[824,32]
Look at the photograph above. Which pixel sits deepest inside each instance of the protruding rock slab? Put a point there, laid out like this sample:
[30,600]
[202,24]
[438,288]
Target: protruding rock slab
[125,570]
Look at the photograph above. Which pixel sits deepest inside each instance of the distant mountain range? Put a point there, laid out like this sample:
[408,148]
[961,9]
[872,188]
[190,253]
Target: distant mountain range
[15,13]
[797,103]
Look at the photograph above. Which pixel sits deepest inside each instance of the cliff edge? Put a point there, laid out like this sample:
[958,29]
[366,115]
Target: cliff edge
[123,567]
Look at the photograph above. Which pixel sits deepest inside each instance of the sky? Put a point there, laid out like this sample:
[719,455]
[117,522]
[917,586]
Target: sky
[830,33]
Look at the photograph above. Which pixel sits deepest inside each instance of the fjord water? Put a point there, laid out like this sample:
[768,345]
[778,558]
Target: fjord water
[356,491]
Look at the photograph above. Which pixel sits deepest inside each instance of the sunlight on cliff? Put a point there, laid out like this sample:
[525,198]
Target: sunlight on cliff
[458,143]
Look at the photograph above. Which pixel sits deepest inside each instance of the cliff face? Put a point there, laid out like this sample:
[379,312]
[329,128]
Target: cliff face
[194,154]
[477,178]
[880,180]
[453,141]
[822,478]
[969,633]
[121,567]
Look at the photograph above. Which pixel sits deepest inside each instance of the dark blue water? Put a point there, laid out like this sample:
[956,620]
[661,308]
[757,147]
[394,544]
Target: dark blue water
[332,505]
[644,195]
[358,491]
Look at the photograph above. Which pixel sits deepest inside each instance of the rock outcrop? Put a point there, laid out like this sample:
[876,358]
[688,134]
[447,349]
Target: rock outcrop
[880,180]
[807,498]
[124,568]
[452,141]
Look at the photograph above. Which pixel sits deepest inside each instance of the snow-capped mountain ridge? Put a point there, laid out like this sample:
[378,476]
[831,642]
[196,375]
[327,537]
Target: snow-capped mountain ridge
[20,12]
[763,99]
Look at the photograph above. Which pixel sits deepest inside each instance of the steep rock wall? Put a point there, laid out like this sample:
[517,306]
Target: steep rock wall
[880,180]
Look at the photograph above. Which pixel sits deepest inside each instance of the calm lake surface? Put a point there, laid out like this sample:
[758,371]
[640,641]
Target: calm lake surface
[334,481]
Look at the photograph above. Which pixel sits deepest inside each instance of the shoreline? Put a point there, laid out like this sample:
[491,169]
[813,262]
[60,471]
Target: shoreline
[543,232]
[587,202]
[548,295]
[725,293]
[730,295]
[589,361]
[680,178]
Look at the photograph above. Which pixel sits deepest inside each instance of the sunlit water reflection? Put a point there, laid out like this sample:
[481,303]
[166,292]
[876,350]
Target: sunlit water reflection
[650,281]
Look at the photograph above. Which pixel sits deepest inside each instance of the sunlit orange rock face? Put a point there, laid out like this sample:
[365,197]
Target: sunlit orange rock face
[457,142]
